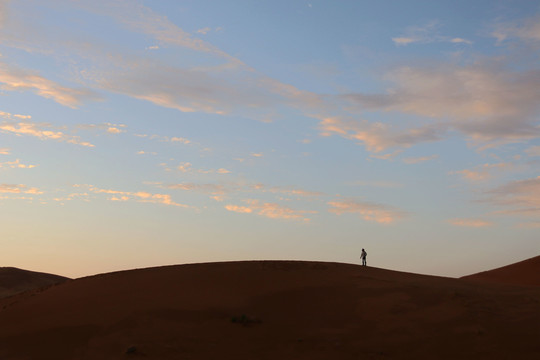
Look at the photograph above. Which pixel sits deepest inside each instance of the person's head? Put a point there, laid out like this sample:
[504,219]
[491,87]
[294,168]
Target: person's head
[362,249]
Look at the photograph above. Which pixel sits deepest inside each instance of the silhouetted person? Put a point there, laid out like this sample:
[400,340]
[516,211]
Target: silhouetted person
[363,256]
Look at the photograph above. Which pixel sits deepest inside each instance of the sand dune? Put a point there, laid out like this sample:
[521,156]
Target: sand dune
[525,272]
[271,310]
[13,280]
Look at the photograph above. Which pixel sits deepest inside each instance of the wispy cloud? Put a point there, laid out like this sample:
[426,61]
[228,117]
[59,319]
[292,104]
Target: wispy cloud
[421,159]
[470,222]
[520,197]
[15,164]
[426,34]
[19,189]
[533,151]
[41,131]
[17,79]
[138,196]
[526,30]
[270,210]
[367,210]
[5,151]
[106,127]
[483,172]
[487,102]
[187,167]
[378,137]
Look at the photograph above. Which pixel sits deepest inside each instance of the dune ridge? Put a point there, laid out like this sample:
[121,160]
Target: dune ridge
[271,310]
[14,280]
[526,272]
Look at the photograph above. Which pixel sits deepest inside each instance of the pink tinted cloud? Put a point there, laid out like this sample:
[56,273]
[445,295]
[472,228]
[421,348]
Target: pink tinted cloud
[17,79]
[470,222]
[270,210]
[369,211]
[42,132]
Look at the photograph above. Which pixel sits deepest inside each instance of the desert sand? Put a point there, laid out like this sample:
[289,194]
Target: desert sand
[14,281]
[273,310]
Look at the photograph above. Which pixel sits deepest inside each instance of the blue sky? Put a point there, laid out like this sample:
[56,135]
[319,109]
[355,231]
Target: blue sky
[145,133]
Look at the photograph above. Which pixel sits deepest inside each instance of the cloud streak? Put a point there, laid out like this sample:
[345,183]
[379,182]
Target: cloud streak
[368,211]
[17,79]
[42,132]
[270,210]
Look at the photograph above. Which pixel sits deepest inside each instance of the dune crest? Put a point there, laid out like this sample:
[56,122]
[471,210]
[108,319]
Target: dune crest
[526,272]
[14,281]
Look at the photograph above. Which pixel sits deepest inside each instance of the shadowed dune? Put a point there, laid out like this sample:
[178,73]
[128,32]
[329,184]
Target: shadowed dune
[525,272]
[271,310]
[14,281]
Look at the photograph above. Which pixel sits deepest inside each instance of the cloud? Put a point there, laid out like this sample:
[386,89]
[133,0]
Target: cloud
[139,196]
[533,151]
[487,102]
[270,210]
[204,31]
[482,172]
[476,223]
[213,189]
[16,164]
[186,167]
[520,197]
[369,211]
[417,160]
[379,136]
[142,19]
[426,34]
[107,127]
[41,131]
[17,79]
[527,29]
[218,191]
[19,189]
[5,151]
[239,209]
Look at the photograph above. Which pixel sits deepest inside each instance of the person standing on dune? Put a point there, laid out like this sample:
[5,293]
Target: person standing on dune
[363,256]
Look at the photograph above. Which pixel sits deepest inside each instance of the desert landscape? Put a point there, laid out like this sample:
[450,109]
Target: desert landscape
[277,310]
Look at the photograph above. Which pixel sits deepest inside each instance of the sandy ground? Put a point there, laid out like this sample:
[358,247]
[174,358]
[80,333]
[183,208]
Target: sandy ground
[272,310]
[14,281]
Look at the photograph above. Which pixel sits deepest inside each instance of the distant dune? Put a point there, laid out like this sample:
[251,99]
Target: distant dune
[14,281]
[522,273]
[271,310]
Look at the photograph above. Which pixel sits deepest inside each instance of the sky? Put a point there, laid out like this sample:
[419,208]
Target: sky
[145,133]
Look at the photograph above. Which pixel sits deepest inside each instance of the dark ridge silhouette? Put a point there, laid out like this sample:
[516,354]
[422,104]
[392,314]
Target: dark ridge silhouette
[14,281]
[525,272]
[271,310]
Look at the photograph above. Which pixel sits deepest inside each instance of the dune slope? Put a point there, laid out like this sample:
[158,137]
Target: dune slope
[271,310]
[13,280]
[525,272]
